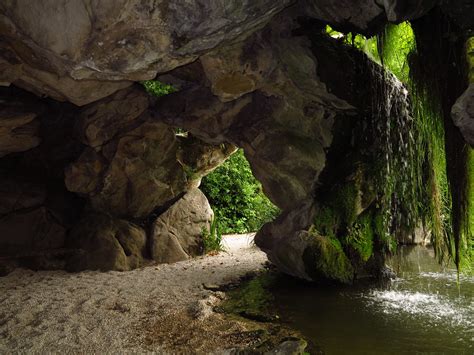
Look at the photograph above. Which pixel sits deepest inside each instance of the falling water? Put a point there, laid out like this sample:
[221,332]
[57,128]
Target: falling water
[393,126]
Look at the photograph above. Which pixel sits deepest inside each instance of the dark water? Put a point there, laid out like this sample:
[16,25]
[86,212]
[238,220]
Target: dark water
[424,310]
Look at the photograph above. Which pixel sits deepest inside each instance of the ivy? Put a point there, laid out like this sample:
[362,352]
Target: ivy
[157,88]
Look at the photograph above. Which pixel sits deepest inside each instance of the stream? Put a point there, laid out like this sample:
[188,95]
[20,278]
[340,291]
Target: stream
[423,310]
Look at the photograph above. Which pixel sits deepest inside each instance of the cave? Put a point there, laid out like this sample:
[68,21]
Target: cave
[96,176]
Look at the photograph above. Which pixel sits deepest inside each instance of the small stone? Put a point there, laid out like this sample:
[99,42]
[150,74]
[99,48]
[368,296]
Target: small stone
[211,287]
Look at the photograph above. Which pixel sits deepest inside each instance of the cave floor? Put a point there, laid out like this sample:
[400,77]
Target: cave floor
[158,308]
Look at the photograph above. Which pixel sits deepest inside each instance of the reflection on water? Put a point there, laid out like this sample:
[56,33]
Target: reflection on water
[423,310]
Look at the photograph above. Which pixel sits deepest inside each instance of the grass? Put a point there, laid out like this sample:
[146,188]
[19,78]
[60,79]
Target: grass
[212,238]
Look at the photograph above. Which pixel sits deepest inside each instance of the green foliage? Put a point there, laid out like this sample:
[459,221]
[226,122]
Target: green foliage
[438,76]
[212,238]
[157,88]
[360,236]
[467,257]
[325,259]
[438,191]
[345,202]
[367,45]
[237,197]
[470,58]
[398,42]
[327,221]
[380,233]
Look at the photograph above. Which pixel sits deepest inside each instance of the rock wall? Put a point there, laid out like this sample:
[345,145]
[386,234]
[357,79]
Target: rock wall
[95,176]
[90,191]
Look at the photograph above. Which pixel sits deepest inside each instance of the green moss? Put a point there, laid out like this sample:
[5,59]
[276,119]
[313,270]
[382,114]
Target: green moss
[345,202]
[470,58]
[325,260]
[398,43]
[326,222]
[384,238]
[467,257]
[360,237]
[251,299]
[445,56]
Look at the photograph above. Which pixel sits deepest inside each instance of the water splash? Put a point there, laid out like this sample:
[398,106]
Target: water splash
[435,309]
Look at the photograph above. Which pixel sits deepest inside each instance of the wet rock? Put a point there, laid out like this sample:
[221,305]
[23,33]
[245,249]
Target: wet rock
[304,254]
[281,240]
[83,51]
[420,236]
[325,260]
[293,346]
[105,243]
[177,234]
[463,114]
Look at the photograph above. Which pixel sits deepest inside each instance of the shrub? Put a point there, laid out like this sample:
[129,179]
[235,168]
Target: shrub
[237,197]
[212,238]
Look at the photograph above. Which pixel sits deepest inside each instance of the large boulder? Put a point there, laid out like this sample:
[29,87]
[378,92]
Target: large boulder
[177,234]
[84,50]
[129,165]
[132,174]
[104,243]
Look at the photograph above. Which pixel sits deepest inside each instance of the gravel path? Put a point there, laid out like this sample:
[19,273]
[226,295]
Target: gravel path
[94,312]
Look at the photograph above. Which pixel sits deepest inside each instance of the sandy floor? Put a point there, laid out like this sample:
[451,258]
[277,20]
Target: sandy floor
[117,312]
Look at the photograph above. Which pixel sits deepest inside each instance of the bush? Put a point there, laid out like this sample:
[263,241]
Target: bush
[236,197]
[212,238]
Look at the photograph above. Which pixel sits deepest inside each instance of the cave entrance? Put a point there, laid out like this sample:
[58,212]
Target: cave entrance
[237,198]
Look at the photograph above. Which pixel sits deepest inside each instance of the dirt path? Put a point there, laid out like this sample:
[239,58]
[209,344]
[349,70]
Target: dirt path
[151,309]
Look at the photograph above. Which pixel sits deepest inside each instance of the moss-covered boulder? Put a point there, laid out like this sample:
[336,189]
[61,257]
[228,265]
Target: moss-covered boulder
[324,259]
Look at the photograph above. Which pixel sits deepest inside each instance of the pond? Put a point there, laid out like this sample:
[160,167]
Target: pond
[423,310]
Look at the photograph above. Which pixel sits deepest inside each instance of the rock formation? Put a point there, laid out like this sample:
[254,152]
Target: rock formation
[95,175]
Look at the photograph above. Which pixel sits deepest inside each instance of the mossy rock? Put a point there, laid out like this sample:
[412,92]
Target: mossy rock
[360,237]
[252,299]
[325,260]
